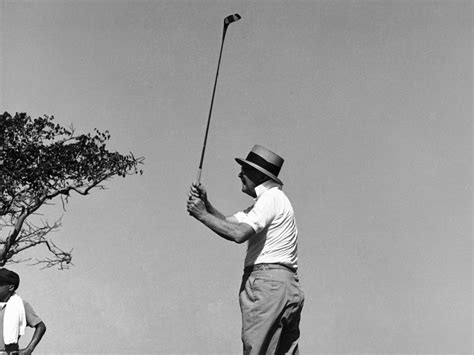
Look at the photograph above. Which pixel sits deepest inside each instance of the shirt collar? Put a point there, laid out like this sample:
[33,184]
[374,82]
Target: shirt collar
[267,185]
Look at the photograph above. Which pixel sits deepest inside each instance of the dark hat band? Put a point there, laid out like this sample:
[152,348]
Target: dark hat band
[258,160]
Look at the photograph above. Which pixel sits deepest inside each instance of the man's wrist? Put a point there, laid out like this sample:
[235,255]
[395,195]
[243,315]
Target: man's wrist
[208,205]
[204,217]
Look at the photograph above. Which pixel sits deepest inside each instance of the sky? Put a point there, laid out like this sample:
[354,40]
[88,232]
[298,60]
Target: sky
[370,104]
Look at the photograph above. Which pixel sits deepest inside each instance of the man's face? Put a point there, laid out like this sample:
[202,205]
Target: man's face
[5,292]
[248,186]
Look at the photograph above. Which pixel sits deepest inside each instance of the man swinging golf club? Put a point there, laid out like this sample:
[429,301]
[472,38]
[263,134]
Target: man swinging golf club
[271,299]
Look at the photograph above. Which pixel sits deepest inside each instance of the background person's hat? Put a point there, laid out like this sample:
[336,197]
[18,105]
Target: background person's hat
[8,277]
[263,160]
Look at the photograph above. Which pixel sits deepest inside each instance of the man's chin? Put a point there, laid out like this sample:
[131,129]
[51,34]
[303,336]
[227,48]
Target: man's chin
[246,190]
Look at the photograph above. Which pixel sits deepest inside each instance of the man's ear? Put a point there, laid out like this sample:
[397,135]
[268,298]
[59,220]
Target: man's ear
[11,288]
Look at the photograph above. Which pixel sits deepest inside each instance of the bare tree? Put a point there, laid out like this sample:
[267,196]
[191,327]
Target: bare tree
[41,161]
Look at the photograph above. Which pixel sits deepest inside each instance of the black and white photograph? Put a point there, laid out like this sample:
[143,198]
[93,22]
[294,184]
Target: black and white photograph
[224,177]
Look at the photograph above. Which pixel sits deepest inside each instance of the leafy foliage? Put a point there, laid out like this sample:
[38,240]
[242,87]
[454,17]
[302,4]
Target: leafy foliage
[41,161]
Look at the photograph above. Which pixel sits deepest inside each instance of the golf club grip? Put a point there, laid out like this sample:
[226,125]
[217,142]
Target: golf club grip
[198,176]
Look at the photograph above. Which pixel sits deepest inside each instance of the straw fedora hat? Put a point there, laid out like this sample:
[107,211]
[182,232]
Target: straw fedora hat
[263,160]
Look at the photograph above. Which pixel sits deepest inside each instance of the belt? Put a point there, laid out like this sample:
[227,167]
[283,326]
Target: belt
[14,352]
[256,267]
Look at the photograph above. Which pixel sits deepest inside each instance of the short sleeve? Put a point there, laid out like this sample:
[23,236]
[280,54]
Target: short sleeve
[32,318]
[260,215]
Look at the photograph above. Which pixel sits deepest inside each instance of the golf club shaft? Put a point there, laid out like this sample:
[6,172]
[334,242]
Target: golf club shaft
[198,176]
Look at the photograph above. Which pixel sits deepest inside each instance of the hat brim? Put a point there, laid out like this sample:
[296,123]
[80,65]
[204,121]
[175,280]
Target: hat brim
[257,167]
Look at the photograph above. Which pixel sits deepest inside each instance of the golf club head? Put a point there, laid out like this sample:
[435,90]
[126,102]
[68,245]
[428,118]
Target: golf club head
[231,18]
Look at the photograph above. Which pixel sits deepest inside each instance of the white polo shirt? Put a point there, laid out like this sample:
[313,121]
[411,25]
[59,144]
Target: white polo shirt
[273,220]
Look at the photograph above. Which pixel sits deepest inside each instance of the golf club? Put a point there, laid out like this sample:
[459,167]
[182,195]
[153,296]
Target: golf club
[227,21]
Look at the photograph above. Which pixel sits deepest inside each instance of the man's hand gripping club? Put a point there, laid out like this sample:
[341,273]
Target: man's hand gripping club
[199,207]
[197,201]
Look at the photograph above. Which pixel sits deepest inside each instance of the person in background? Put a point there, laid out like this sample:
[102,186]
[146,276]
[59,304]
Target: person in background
[15,315]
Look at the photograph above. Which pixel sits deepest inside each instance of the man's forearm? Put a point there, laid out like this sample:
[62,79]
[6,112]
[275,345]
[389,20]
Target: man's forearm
[212,210]
[235,232]
[40,329]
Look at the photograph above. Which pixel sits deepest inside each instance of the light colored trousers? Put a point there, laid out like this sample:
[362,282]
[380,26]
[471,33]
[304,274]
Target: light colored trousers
[271,300]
